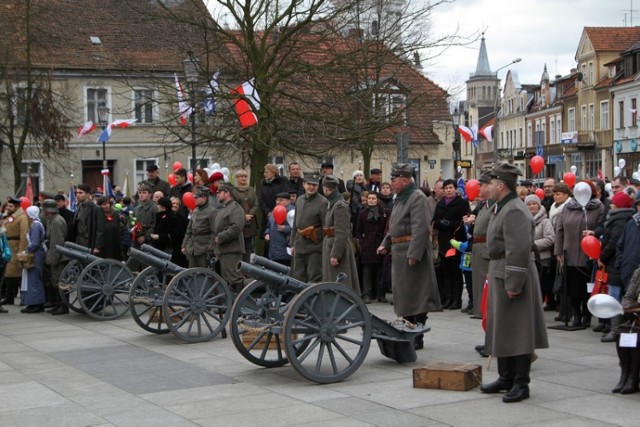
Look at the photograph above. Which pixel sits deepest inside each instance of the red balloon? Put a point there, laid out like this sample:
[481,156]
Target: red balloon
[540,193]
[190,177]
[537,164]
[24,203]
[569,178]
[280,214]
[176,166]
[171,179]
[472,188]
[591,247]
[189,200]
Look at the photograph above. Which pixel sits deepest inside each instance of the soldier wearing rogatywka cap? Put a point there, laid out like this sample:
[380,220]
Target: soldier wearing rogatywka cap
[16,224]
[415,290]
[145,218]
[198,240]
[227,236]
[515,320]
[337,252]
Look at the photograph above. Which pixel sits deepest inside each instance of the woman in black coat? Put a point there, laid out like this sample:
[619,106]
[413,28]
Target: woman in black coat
[272,184]
[447,220]
[370,232]
[166,231]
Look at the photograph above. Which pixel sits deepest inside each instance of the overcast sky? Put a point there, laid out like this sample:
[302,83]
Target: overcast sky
[538,31]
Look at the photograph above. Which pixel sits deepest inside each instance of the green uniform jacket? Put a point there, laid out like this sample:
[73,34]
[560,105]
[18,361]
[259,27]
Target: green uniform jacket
[310,211]
[198,239]
[338,246]
[228,227]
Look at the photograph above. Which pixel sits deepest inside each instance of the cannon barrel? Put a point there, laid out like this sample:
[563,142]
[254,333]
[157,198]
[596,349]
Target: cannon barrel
[153,261]
[77,247]
[155,252]
[271,265]
[271,277]
[83,257]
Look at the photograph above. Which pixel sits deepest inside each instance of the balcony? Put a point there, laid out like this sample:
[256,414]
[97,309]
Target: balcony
[595,138]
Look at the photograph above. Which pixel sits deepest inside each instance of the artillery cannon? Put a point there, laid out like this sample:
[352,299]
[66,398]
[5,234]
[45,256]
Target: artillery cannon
[324,329]
[193,303]
[100,288]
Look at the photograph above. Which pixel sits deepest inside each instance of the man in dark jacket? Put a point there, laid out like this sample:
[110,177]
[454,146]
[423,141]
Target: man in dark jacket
[627,253]
[182,187]
[157,184]
[327,169]
[88,221]
[295,178]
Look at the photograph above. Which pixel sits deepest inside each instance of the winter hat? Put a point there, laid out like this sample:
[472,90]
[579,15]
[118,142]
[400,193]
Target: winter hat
[356,172]
[622,200]
[531,198]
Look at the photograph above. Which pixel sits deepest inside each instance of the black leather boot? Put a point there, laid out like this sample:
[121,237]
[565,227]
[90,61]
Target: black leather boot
[505,379]
[624,356]
[520,389]
[576,316]
[631,384]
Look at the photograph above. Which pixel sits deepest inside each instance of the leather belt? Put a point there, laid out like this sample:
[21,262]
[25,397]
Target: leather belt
[329,231]
[479,239]
[400,239]
[13,238]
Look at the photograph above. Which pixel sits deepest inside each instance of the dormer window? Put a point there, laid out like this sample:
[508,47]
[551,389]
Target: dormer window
[95,40]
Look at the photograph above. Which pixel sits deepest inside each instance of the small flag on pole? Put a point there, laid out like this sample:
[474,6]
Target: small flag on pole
[183,106]
[87,128]
[209,102]
[247,103]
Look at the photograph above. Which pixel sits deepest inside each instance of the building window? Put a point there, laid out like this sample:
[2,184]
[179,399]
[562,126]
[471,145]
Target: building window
[529,134]
[604,115]
[559,130]
[552,131]
[20,104]
[571,114]
[592,117]
[95,98]
[33,168]
[391,108]
[583,117]
[590,76]
[621,114]
[141,169]
[200,163]
[143,105]
[634,113]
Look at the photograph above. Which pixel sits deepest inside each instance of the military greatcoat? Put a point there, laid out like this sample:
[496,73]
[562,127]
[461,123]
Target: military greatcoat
[17,225]
[480,253]
[515,326]
[338,218]
[307,256]
[415,289]
[227,229]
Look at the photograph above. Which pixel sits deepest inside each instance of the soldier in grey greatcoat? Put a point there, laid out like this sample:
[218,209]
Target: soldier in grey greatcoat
[337,253]
[307,235]
[228,237]
[55,234]
[515,320]
[198,239]
[413,278]
[145,216]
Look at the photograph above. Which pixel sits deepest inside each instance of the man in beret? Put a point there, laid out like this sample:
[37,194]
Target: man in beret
[227,236]
[198,239]
[157,184]
[375,179]
[337,252]
[327,169]
[307,235]
[415,289]
[515,320]
[17,224]
[145,218]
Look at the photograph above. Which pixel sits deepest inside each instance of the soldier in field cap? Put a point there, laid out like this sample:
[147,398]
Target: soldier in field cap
[197,245]
[515,321]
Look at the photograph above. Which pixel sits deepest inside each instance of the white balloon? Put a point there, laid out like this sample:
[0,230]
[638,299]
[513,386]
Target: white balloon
[608,188]
[290,216]
[604,306]
[621,163]
[638,167]
[582,193]
[225,171]
[215,166]
[616,171]
[635,175]
[573,169]
[208,171]
[225,178]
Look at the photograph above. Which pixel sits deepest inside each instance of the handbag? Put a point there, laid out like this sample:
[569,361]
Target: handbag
[435,246]
[600,283]
[558,283]
[27,259]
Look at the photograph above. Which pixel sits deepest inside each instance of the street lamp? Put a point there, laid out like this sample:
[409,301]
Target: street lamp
[455,119]
[495,112]
[191,66]
[103,112]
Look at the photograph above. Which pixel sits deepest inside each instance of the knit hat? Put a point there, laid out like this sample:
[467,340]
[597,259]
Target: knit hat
[356,172]
[531,198]
[622,200]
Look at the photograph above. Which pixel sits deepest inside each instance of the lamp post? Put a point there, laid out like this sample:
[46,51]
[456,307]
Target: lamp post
[495,112]
[455,119]
[191,65]
[103,112]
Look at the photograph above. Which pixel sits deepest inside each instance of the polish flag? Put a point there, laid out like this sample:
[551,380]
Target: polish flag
[469,134]
[246,103]
[183,106]
[86,129]
[487,132]
[121,123]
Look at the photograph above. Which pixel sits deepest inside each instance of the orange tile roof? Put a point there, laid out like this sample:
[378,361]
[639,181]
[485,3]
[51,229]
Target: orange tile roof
[612,39]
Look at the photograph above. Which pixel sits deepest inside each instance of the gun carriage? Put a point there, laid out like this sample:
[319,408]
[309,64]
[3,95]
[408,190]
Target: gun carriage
[324,330]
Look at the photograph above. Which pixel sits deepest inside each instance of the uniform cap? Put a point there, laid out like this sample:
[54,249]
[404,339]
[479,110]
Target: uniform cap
[402,169]
[505,172]
[331,181]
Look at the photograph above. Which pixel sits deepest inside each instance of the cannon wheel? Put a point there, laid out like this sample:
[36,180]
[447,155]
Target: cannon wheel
[257,308]
[334,324]
[145,300]
[67,288]
[196,304]
[103,289]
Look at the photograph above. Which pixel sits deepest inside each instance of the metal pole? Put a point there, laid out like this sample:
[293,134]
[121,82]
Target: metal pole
[193,131]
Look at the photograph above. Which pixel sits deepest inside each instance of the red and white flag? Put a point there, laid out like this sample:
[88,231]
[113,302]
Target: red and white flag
[487,132]
[600,175]
[469,134]
[183,106]
[86,129]
[247,103]
[122,123]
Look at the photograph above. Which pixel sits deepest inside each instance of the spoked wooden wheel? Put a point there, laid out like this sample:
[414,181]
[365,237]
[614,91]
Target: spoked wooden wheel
[196,305]
[67,288]
[257,319]
[334,325]
[145,300]
[103,289]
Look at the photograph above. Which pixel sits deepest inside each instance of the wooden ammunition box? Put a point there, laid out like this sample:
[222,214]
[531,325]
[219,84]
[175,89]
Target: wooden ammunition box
[448,376]
[249,336]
